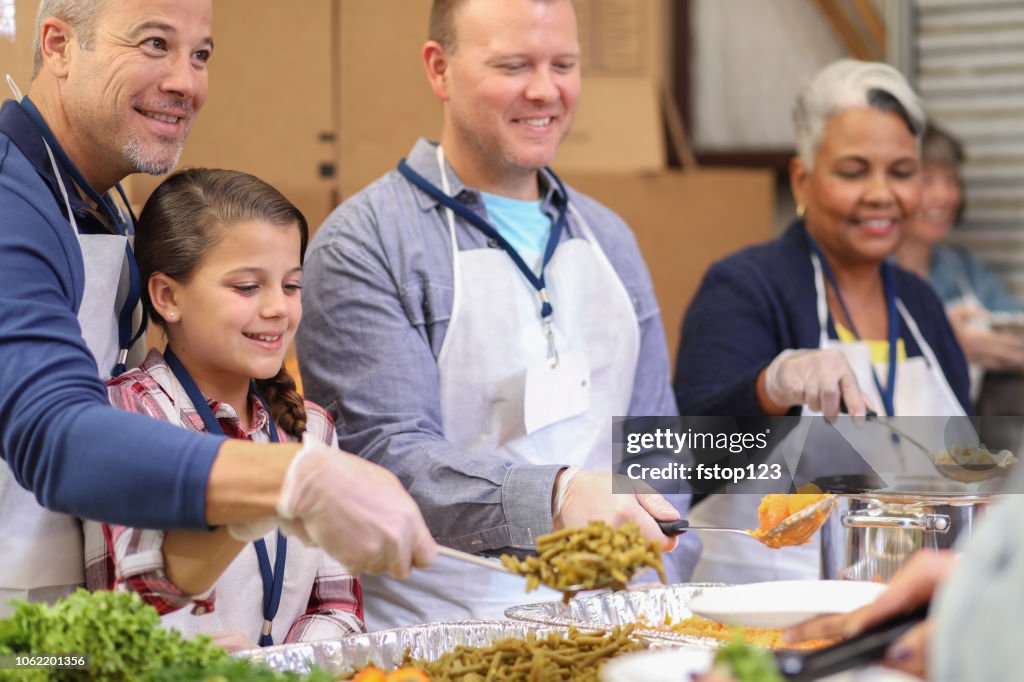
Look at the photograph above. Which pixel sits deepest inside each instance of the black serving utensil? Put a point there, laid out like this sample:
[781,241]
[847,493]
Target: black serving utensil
[864,649]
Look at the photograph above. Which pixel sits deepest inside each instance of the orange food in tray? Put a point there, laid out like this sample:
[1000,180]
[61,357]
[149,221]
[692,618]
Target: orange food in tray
[771,638]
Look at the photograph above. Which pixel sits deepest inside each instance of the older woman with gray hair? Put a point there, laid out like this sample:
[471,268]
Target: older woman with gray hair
[818,317]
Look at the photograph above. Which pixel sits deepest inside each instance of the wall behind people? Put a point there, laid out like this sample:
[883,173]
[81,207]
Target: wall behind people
[321,97]
[764,50]
[16,49]
[271,106]
[969,71]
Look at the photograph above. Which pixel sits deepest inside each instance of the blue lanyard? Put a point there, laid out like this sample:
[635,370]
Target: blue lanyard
[273,581]
[126,339]
[888,391]
[467,214]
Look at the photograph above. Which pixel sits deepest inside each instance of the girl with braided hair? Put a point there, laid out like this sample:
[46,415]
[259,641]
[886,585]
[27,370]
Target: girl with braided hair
[220,253]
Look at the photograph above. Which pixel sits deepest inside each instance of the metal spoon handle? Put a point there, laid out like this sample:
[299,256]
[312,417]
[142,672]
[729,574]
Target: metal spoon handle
[680,526]
[673,528]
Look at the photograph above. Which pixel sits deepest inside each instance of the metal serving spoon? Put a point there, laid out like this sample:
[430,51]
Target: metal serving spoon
[959,430]
[795,529]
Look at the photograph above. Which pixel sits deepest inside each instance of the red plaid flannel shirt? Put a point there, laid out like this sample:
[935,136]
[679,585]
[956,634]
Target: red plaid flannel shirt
[119,557]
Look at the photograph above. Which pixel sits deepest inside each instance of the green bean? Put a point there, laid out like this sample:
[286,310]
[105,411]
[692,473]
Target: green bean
[573,657]
[589,557]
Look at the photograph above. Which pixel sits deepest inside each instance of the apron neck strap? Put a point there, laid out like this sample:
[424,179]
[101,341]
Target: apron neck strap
[273,579]
[464,212]
[125,317]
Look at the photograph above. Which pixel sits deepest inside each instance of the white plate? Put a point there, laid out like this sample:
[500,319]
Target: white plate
[677,665]
[784,603]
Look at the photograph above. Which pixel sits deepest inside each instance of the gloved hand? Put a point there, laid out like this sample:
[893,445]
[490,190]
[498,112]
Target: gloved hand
[982,345]
[250,531]
[817,378]
[355,510]
[585,496]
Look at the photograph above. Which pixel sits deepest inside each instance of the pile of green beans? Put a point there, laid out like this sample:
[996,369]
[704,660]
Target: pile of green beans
[595,556]
[573,657]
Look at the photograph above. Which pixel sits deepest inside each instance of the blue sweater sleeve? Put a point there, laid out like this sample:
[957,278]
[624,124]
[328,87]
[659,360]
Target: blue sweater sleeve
[732,330]
[58,434]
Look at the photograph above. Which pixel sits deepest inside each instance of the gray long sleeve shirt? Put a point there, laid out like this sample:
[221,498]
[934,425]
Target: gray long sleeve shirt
[377,297]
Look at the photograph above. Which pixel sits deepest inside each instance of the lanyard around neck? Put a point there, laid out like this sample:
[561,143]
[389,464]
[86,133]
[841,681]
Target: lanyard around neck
[888,391]
[273,581]
[464,212]
[125,338]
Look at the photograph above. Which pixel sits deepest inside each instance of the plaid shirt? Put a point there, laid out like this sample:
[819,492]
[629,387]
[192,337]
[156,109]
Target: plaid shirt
[119,557]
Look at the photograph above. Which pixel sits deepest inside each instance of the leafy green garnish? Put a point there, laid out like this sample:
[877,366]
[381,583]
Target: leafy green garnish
[746,662]
[125,642]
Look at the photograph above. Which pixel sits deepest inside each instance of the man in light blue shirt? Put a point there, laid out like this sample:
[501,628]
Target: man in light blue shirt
[474,326]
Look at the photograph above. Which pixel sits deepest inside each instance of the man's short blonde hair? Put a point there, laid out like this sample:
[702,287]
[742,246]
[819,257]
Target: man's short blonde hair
[442,22]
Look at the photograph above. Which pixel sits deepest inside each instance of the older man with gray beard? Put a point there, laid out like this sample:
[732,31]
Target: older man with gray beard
[116,88]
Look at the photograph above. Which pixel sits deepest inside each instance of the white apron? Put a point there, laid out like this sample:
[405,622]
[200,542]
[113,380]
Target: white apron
[921,390]
[41,552]
[239,595]
[494,337]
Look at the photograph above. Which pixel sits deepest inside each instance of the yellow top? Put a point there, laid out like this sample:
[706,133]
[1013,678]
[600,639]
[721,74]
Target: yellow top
[879,349]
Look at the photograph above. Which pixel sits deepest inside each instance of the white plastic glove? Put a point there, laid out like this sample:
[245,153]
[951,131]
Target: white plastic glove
[355,510]
[250,531]
[817,378]
[585,496]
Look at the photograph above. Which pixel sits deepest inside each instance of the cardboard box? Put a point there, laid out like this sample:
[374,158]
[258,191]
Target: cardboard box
[684,222]
[623,46]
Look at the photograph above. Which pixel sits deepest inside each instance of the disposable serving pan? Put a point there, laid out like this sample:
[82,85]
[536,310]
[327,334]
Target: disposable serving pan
[647,608]
[387,647]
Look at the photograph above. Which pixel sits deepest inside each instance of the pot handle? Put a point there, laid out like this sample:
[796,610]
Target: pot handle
[935,523]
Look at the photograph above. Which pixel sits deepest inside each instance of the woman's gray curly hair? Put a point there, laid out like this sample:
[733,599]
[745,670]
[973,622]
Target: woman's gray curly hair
[850,84]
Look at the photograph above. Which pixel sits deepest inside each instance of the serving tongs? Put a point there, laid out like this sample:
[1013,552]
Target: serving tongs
[794,529]
[669,528]
[864,649]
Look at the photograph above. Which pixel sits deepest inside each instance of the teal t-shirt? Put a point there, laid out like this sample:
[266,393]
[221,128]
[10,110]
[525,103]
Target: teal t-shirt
[523,224]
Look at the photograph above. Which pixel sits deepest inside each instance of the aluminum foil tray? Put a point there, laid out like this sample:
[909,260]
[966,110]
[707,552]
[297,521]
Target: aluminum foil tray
[387,647]
[620,608]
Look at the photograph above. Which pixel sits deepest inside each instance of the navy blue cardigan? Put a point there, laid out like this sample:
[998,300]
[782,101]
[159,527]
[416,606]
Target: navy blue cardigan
[760,301]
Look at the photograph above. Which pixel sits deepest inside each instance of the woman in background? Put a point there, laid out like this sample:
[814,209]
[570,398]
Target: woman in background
[968,288]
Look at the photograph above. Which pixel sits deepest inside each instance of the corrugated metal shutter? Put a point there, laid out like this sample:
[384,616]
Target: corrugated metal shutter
[970,72]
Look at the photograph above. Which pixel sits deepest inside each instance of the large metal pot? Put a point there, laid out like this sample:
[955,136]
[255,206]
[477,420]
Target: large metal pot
[872,533]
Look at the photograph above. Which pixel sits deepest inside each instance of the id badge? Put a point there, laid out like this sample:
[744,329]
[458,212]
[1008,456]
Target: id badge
[553,394]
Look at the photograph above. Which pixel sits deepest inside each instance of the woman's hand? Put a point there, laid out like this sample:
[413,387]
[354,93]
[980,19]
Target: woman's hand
[911,587]
[990,349]
[818,378]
